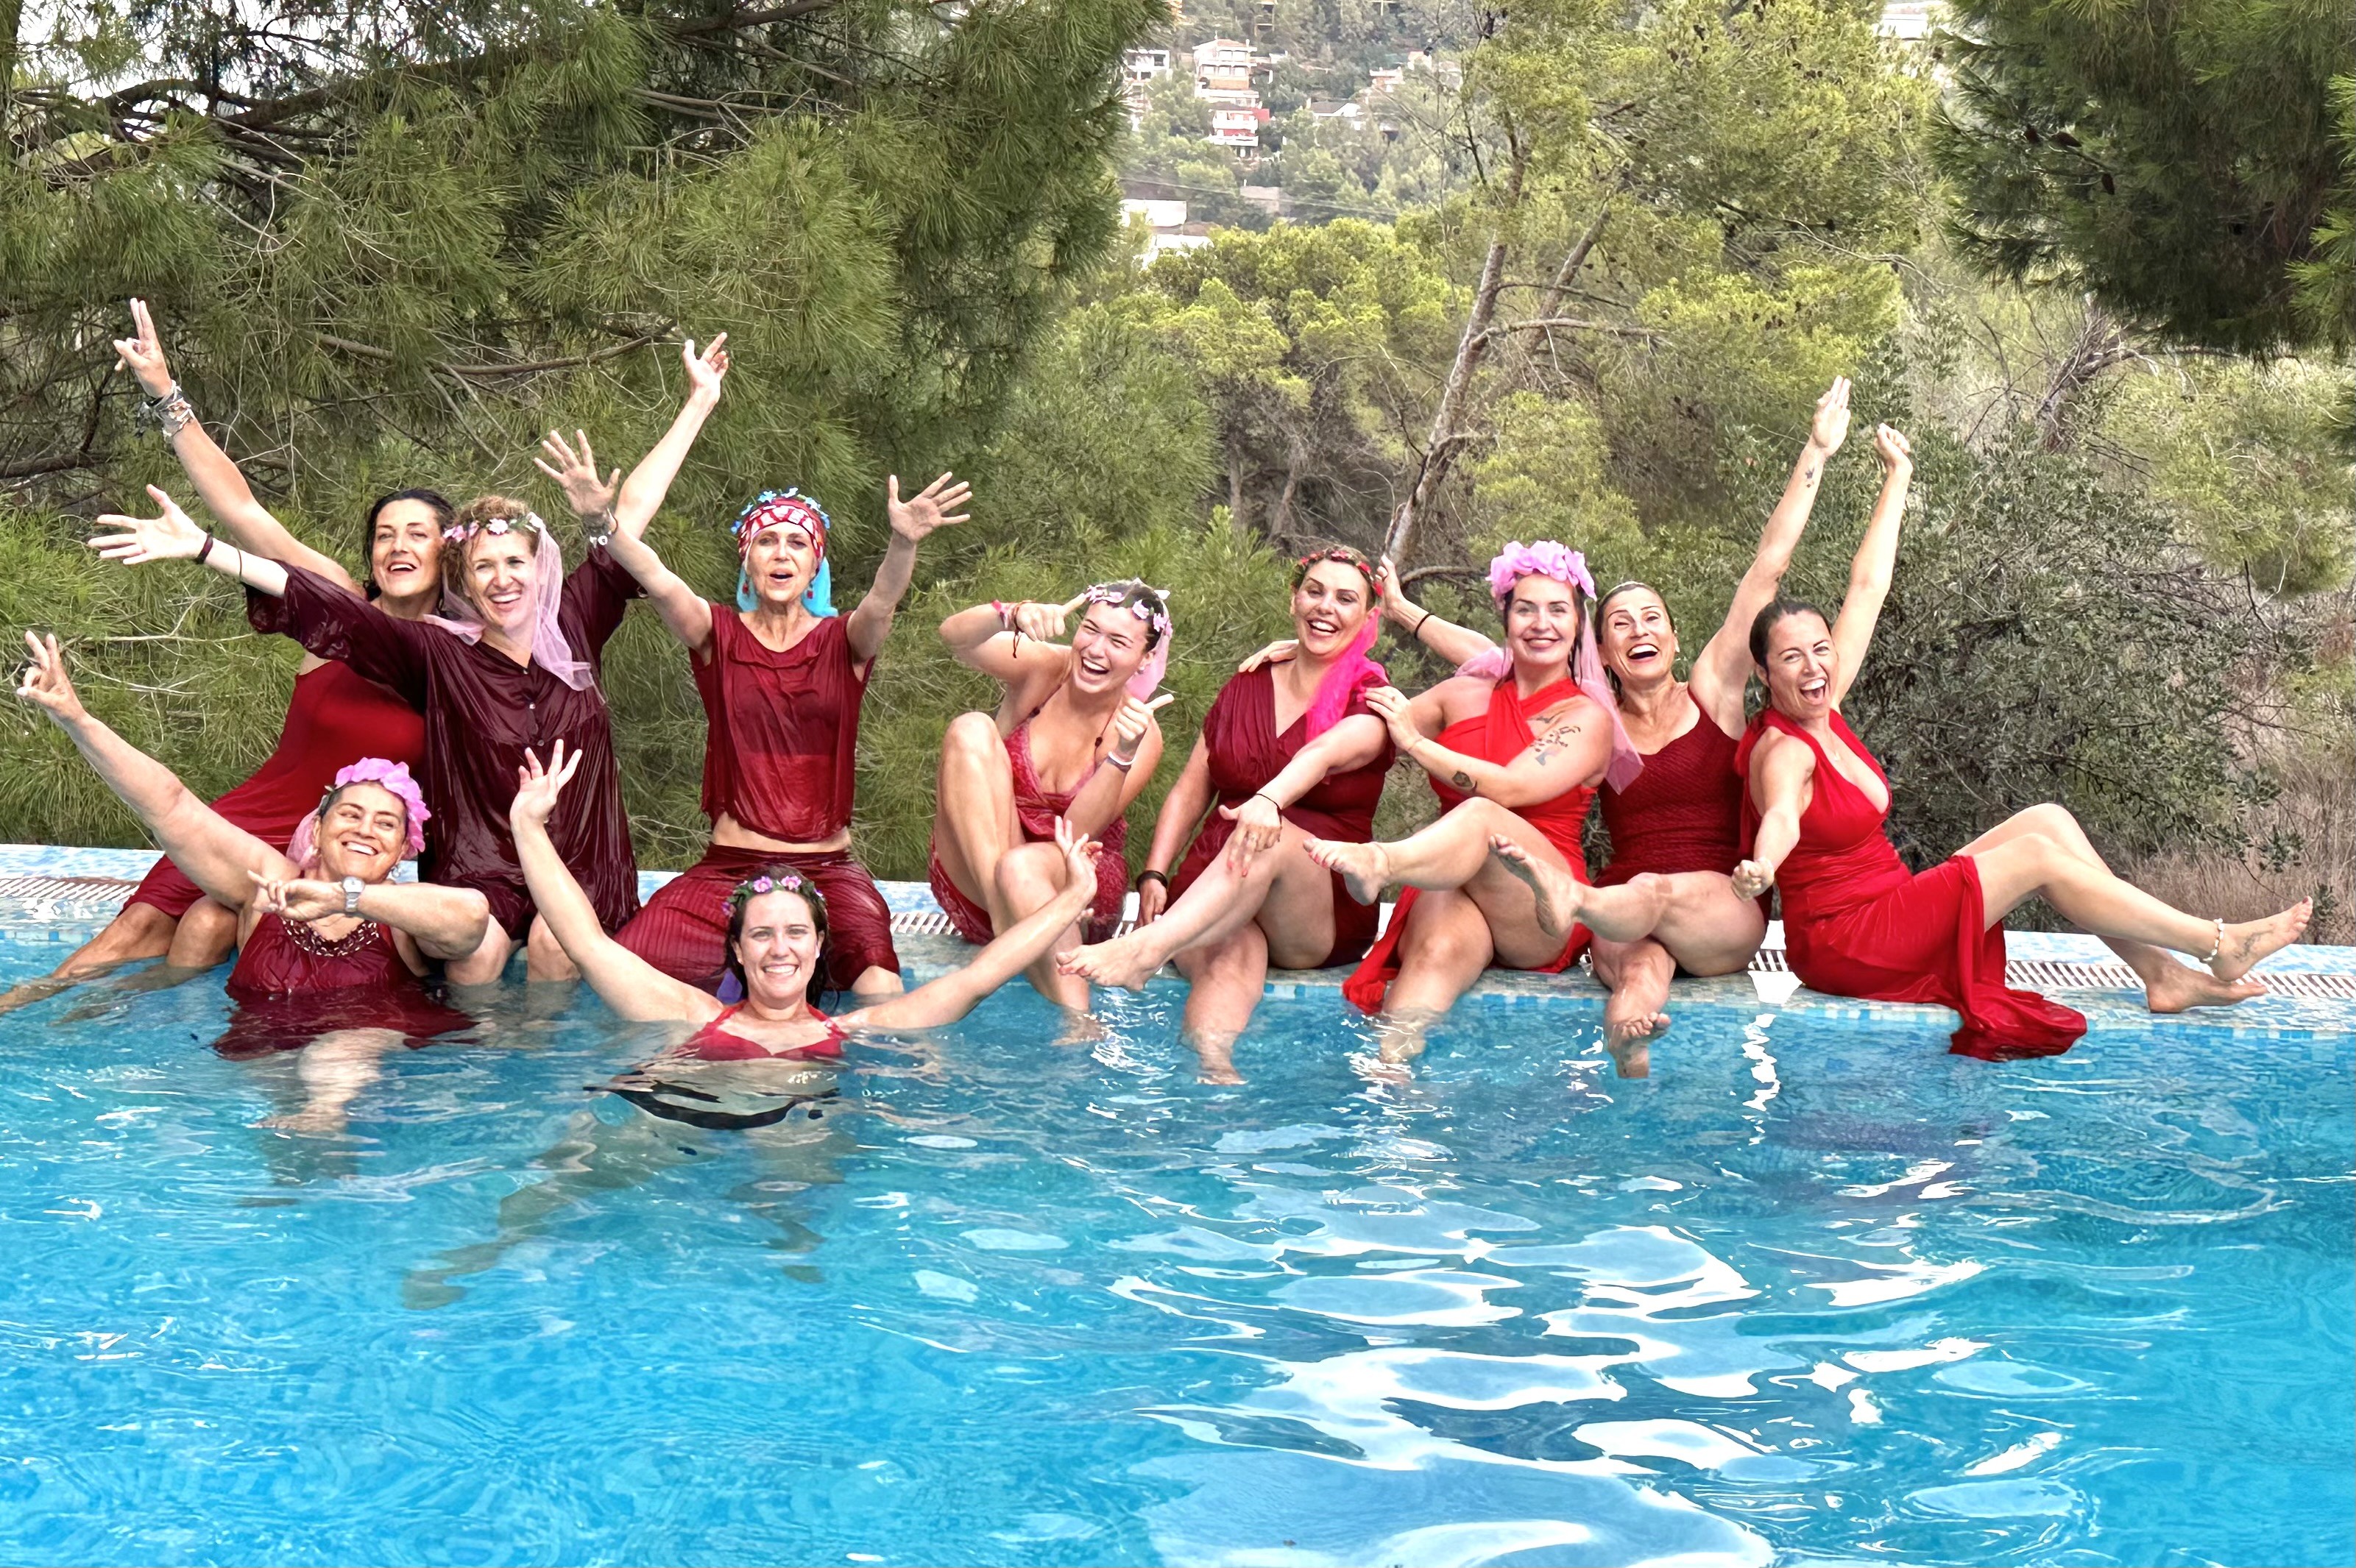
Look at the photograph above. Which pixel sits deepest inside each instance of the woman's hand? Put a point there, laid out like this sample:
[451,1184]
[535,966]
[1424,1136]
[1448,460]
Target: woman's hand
[1830,427]
[1079,862]
[1044,623]
[171,536]
[1393,708]
[538,787]
[931,508]
[574,469]
[1752,878]
[297,898]
[1129,724]
[142,354]
[43,681]
[1897,454]
[706,370]
[1280,651]
[1153,898]
[1258,827]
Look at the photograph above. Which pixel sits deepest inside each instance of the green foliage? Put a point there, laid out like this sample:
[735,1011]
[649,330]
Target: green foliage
[2176,161]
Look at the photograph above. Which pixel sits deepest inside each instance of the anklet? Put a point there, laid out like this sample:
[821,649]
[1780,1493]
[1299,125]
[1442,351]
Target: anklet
[2220,946]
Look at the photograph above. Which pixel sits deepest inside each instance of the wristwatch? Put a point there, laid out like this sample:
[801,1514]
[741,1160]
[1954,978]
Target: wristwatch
[352,886]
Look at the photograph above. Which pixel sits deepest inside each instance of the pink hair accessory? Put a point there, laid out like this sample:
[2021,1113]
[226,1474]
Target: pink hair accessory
[1545,558]
[1155,613]
[392,777]
[551,649]
[1549,559]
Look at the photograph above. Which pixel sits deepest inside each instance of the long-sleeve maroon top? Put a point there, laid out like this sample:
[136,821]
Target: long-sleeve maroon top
[482,709]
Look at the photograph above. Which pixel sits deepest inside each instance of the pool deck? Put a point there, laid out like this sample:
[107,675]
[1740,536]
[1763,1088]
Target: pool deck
[52,893]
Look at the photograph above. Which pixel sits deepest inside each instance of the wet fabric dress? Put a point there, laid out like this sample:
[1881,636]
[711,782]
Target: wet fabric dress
[1683,813]
[1037,808]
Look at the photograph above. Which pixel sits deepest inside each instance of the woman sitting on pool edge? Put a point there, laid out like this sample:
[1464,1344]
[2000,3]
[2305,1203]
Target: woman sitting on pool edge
[776,946]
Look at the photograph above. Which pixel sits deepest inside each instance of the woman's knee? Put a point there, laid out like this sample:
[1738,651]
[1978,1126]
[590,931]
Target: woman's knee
[1028,873]
[971,736]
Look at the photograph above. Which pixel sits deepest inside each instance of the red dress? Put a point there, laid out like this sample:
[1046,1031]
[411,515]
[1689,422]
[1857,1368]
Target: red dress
[336,718]
[1498,735]
[1683,813]
[1246,752]
[1856,923]
[1036,809]
[290,987]
[781,757]
[482,711]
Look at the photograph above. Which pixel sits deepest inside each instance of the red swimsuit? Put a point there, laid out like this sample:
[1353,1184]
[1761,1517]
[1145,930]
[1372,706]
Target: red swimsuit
[716,1042]
[292,986]
[1498,735]
[781,758]
[1683,813]
[1246,752]
[336,718]
[1856,923]
[1036,809]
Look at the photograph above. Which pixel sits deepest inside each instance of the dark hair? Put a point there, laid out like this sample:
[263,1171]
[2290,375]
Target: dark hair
[1341,555]
[434,501]
[1781,610]
[1128,592]
[1611,593]
[741,900]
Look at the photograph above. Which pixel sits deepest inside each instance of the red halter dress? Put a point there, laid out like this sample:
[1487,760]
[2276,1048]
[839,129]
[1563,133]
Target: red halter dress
[335,719]
[1246,751]
[291,985]
[1683,813]
[1856,923]
[1036,809]
[781,758]
[1497,735]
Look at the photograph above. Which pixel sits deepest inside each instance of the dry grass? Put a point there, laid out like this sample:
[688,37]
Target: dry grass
[2317,809]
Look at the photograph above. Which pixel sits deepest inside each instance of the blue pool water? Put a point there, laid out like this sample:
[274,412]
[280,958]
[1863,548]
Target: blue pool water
[1815,1293]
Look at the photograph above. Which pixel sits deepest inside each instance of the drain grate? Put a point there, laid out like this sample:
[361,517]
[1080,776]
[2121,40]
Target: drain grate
[101,891]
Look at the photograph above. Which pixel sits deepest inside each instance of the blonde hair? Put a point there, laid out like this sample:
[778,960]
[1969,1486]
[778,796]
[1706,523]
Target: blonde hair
[462,532]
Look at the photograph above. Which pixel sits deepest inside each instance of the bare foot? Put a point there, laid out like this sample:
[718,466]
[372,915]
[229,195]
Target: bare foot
[1123,962]
[2252,940]
[2177,989]
[1364,869]
[1557,892]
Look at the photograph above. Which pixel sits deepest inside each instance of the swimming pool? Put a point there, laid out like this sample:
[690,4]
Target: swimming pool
[1816,1292]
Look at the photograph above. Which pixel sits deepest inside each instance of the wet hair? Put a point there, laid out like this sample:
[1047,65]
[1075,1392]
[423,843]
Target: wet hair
[1776,612]
[741,900]
[456,578]
[434,502]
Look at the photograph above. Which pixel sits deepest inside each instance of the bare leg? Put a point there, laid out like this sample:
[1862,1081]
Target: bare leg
[1638,973]
[205,935]
[2091,898]
[1446,945]
[974,822]
[1448,854]
[2169,987]
[876,982]
[1223,984]
[1281,890]
[484,964]
[1025,882]
[137,931]
[335,1068]
[545,957]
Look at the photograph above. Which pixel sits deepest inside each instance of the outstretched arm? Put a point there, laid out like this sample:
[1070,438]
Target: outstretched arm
[642,494]
[173,535]
[211,853]
[935,508]
[247,524]
[1452,642]
[627,983]
[445,923]
[1719,674]
[1181,812]
[957,993]
[1012,643]
[1781,772]
[573,466]
[1876,562]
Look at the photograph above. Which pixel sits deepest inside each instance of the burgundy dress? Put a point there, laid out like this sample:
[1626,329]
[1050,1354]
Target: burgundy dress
[1683,813]
[1856,923]
[290,987]
[1246,751]
[1037,808]
[335,719]
[482,711]
[781,758]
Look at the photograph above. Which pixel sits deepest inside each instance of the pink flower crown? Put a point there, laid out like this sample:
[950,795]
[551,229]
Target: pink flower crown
[1545,558]
[1154,612]
[458,533]
[746,892]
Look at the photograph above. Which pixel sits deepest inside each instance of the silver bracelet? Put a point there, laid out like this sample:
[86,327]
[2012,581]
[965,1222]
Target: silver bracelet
[170,412]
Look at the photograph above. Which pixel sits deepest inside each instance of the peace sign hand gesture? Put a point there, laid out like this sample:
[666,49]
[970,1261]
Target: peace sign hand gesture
[933,507]
[172,536]
[575,473]
[1130,725]
[44,682]
[142,354]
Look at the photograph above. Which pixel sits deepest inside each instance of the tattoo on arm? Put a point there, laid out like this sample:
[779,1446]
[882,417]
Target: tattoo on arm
[1808,475]
[1554,740]
[1461,780]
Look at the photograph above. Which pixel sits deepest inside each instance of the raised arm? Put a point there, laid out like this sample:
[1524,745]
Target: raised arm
[211,853]
[444,923]
[1452,642]
[627,983]
[1012,643]
[1781,772]
[959,992]
[1724,667]
[642,494]
[935,507]
[247,524]
[173,535]
[1877,559]
[1181,812]
[573,466]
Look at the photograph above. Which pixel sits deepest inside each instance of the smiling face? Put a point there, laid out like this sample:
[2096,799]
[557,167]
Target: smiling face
[1801,664]
[777,949]
[1107,649]
[780,562]
[1637,640]
[1330,608]
[363,834]
[1542,627]
[405,551]
[499,580]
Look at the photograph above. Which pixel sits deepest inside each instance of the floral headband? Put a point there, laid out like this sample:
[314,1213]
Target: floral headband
[773,507]
[1148,603]
[745,892]
[458,533]
[1347,556]
[1544,558]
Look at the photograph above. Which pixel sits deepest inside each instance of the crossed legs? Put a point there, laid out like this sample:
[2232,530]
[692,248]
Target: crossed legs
[978,839]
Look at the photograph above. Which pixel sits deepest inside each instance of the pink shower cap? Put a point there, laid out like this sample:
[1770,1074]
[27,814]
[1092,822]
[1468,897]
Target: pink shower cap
[393,777]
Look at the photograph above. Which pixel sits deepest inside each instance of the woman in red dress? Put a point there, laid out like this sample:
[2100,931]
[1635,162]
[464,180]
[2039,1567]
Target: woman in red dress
[335,715]
[1856,923]
[1074,737]
[1515,745]
[782,677]
[1666,902]
[1289,751]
